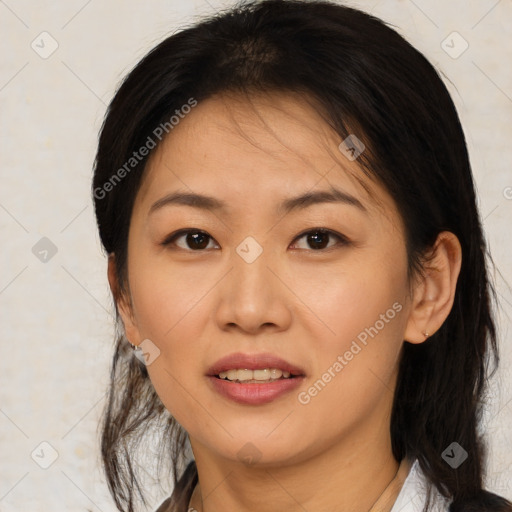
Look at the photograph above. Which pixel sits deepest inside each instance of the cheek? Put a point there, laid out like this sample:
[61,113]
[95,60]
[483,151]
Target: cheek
[172,308]
[353,297]
[166,295]
[358,341]
[170,313]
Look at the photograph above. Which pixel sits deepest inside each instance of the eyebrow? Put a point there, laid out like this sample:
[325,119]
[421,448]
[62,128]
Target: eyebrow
[301,202]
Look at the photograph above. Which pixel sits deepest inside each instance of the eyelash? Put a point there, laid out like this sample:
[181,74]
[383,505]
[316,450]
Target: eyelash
[343,241]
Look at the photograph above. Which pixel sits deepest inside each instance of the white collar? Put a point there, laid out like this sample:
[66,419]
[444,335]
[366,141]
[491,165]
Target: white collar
[413,495]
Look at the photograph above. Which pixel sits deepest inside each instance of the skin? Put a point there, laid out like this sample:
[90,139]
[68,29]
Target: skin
[303,304]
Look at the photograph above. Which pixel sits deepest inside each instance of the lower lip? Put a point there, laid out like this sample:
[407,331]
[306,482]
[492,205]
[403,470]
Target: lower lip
[254,394]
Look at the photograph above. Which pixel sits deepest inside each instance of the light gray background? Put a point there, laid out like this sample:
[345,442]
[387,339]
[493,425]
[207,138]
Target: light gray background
[56,318]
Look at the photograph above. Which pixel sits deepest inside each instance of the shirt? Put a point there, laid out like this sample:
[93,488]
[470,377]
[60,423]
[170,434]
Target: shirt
[413,495]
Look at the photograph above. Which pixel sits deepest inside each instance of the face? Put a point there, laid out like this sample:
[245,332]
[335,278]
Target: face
[315,286]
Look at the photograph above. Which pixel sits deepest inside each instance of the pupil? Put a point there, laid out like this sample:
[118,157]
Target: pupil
[315,240]
[197,240]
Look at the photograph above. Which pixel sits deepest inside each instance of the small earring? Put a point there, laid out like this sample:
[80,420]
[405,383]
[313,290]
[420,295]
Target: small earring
[426,334]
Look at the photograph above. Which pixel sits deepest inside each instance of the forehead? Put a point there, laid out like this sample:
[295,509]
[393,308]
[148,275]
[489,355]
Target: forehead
[270,145]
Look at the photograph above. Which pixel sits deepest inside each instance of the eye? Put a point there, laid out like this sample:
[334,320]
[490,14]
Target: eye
[193,239]
[197,240]
[319,239]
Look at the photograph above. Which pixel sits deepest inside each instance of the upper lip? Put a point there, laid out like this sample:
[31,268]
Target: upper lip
[239,360]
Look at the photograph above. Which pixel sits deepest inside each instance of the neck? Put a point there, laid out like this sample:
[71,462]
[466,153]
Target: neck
[350,475]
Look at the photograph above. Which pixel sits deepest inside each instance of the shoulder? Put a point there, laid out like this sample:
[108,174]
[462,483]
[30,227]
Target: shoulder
[413,495]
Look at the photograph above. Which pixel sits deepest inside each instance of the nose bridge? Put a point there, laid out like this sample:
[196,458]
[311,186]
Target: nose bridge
[250,273]
[252,297]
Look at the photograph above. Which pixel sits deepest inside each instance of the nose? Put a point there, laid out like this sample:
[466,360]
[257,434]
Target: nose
[252,297]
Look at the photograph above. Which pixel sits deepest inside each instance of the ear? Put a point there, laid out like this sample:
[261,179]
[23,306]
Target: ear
[123,304]
[434,291]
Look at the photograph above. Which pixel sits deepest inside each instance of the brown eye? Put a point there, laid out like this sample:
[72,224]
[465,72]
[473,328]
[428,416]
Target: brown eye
[319,239]
[190,239]
[197,240]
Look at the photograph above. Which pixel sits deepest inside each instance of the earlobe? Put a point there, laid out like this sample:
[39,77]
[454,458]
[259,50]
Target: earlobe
[124,308]
[434,291]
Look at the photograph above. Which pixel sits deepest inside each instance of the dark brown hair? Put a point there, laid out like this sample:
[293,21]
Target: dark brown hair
[362,73]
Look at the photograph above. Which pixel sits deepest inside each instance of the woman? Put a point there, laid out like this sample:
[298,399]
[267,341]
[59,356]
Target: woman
[296,256]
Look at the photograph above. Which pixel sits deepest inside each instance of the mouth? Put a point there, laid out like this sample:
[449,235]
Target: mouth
[254,368]
[254,379]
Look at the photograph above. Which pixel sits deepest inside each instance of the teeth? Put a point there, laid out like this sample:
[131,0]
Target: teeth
[263,375]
